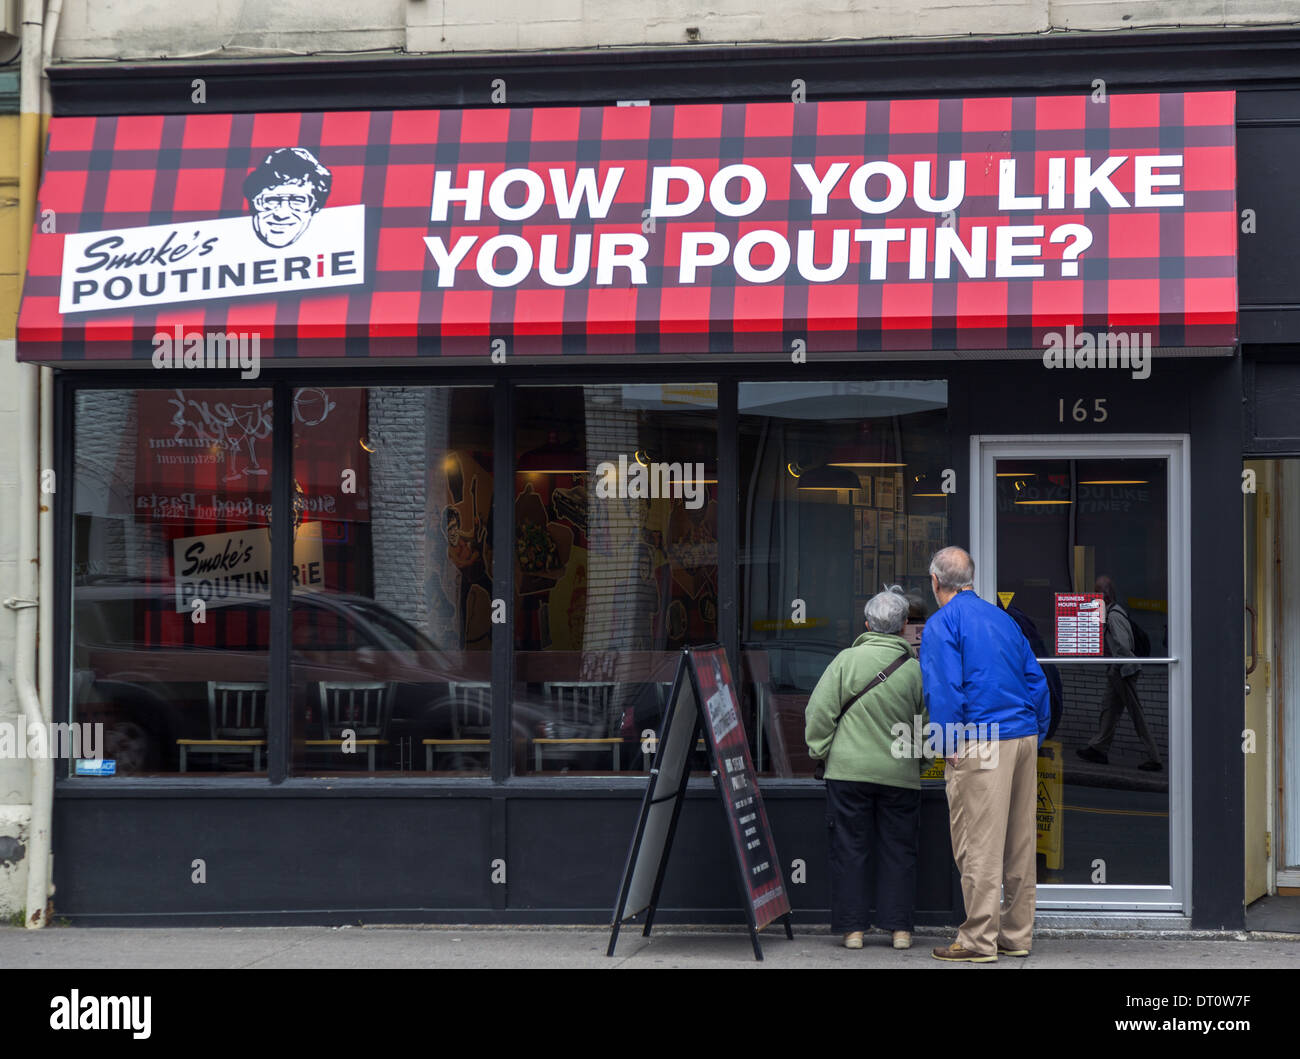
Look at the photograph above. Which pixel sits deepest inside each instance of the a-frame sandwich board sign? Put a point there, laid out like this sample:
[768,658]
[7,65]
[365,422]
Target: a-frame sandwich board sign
[703,697]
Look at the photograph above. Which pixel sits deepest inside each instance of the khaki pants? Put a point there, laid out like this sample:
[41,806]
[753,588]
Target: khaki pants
[994,840]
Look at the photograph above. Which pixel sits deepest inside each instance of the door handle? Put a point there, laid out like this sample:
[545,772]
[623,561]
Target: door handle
[1254,658]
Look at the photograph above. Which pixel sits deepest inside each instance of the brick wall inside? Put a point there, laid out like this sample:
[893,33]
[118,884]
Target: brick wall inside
[1083,690]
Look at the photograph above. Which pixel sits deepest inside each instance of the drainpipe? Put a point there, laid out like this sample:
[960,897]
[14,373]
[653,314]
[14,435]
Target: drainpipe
[45,613]
[50,30]
[29,498]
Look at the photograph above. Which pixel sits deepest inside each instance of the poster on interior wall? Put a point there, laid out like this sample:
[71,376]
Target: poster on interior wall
[693,552]
[870,586]
[869,528]
[566,605]
[673,586]
[918,556]
[885,493]
[916,527]
[545,540]
[935,531]
[885,567]
[458,533]
[885,524]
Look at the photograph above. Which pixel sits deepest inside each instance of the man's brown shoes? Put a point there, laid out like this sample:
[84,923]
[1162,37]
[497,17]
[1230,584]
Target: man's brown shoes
[954,953]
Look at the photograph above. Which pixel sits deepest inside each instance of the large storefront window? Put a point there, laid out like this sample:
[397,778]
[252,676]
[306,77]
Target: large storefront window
[615,525]
[392,524]
[171,577]
[841,494]
[616,566]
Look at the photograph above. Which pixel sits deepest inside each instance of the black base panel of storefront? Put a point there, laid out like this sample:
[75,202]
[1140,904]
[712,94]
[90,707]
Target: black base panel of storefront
[342,854]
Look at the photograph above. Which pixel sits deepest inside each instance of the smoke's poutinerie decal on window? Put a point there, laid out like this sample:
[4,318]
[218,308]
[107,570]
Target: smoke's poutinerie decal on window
[959,224]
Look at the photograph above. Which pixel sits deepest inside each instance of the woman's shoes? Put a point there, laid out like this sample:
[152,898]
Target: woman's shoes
[902,939]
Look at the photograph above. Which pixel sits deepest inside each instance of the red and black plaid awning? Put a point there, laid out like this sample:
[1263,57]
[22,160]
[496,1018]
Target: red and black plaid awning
[319,232]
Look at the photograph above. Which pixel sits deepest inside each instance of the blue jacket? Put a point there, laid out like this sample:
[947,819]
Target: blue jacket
[978,668]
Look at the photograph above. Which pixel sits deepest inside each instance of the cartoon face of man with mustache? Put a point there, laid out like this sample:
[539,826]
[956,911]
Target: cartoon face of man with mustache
[285,192]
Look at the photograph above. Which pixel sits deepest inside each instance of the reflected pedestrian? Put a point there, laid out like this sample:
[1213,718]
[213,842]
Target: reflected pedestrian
[1121,686]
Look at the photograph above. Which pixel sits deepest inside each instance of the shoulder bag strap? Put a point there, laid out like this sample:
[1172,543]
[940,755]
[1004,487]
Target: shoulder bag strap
[879,678]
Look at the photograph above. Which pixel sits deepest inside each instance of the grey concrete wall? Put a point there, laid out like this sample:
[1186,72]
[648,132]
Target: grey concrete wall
[153,29]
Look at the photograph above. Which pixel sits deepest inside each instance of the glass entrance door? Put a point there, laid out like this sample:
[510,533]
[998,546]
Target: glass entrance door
[1083,542]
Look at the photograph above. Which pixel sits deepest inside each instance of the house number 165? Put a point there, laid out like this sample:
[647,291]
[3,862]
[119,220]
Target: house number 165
[1080,413]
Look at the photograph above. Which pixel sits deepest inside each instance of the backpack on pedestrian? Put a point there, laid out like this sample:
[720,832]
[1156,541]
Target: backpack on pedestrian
[1141,642]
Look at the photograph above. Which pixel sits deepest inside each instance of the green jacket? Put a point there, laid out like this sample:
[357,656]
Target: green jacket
[862,748]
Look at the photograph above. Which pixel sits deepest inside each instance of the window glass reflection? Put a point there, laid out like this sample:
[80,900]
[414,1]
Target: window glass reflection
[171,561]
[842,493]
[392,587]
[616,566]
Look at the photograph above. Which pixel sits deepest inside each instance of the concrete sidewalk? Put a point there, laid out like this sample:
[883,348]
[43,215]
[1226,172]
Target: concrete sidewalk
[584,947]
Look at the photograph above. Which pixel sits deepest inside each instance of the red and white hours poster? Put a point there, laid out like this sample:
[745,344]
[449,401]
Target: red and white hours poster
[1080,619]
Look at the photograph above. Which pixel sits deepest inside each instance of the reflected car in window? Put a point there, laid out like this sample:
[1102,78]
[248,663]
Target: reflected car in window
[151,692]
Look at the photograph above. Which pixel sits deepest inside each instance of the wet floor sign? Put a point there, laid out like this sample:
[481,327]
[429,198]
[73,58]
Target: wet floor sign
[1051,819]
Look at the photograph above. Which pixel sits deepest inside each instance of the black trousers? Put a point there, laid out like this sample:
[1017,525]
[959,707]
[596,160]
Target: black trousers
[874,831]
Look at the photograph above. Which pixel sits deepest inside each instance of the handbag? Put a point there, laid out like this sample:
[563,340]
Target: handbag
[819,770]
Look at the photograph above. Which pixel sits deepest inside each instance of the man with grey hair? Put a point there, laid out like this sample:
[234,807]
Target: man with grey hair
[981,677]
[873,796]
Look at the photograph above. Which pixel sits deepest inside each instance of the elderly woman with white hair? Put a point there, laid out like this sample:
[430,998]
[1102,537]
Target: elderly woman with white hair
[873,796]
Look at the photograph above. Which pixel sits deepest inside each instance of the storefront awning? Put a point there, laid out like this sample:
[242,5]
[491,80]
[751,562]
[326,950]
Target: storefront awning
[959,226]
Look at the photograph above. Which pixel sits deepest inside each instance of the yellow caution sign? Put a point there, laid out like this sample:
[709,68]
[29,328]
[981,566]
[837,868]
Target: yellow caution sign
[1050,812]
[1005,599]
[933,770]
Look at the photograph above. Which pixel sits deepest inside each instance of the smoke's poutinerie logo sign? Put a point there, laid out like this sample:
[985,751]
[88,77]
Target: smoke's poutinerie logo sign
[289,241]
[787,230]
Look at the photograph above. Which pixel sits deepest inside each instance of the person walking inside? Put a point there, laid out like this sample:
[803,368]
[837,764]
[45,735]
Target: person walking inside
[873,796]
[1120,642]
[981,679]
